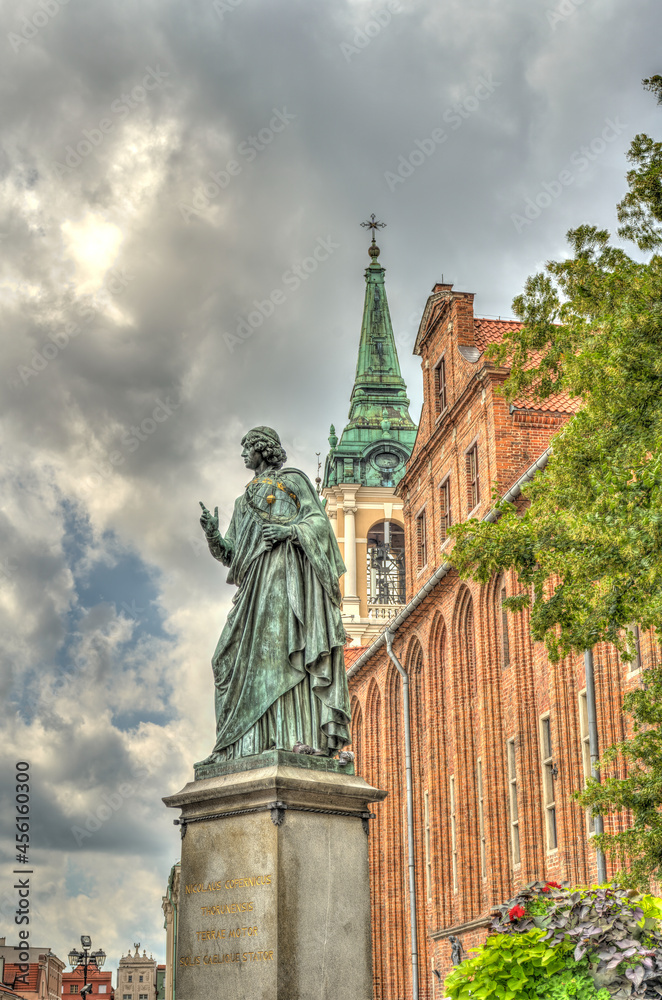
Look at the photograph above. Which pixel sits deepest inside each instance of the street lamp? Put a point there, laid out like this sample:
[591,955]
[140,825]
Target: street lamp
[85,957]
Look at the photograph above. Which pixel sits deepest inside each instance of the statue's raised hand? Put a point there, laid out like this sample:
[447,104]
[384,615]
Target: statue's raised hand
[208,520]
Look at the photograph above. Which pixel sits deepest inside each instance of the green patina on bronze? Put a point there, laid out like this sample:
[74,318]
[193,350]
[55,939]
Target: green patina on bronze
[380,434]
[279,669]
[273,758]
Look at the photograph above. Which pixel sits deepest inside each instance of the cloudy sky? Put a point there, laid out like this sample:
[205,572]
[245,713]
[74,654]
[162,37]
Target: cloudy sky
[166,168]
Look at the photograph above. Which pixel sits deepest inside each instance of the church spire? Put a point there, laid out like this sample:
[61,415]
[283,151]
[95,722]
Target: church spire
[377,366]
[380,434]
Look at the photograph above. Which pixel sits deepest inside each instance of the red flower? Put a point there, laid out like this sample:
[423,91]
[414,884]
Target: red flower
[552,885]
[545,888]
[516,913]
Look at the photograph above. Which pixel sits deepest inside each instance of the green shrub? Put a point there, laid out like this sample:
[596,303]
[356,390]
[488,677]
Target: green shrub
[570,985]
[559,943]
[505,967]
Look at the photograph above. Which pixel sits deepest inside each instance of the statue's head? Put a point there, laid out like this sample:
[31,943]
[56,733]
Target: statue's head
[266,442]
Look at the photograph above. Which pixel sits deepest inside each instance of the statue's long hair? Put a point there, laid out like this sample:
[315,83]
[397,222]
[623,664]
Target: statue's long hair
[269,447]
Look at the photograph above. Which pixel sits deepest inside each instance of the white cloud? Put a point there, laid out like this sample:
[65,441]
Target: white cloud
[92,524]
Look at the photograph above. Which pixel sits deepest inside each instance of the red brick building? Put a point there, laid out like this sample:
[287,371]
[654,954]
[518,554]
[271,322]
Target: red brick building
[499,738]
[40,978]
[102,983]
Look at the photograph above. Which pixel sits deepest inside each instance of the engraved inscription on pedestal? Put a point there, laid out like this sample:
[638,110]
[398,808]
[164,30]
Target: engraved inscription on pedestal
[274,900]
[227,932]
[231,924]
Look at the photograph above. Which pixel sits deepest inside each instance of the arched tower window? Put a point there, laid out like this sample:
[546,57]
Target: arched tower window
[386,564]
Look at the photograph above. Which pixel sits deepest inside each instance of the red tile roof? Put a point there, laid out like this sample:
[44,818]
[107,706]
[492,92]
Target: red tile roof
[12,971]
[6,991]
[491,331]
[352,654]
[560,402]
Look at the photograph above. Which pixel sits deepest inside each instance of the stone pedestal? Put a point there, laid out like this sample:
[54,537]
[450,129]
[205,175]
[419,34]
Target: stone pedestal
[275,900]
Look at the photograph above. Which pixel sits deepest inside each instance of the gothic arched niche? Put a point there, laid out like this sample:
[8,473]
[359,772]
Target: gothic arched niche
[414,656]
[357,735]
[467,642]
[439,676]
[371,736]
[372,767]
[498,618]
[386,564]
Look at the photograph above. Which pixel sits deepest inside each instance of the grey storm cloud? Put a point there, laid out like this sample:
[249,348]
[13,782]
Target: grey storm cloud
[181,187]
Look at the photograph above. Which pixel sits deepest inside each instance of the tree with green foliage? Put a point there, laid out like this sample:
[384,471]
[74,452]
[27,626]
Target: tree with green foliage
[637,849]
[592,328]
[588,547]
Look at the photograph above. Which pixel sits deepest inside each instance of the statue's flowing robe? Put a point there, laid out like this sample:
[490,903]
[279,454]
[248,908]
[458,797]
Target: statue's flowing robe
[279,669]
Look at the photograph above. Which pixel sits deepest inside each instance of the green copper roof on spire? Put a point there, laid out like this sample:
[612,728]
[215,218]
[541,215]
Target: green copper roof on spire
[377,363]
[380,434]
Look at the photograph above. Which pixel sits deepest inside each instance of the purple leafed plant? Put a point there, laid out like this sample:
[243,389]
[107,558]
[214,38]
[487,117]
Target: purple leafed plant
[605,926]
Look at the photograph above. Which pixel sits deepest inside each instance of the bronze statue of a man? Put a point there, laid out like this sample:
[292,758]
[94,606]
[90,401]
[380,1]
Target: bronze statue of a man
[279,669]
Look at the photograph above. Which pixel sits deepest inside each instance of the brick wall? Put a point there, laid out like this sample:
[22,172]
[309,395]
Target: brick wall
[470,693]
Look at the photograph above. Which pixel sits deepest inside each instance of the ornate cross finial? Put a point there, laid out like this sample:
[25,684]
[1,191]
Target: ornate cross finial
[373,249]
[374,225]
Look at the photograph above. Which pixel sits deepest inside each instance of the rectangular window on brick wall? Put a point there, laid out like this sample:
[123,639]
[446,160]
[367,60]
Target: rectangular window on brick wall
[512,799]
[451,793]
[505,644]
[548,772]
[481,819]
[586,754]
[473,479]
[440,390]
[421,541]
[428,851]
[445,505]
